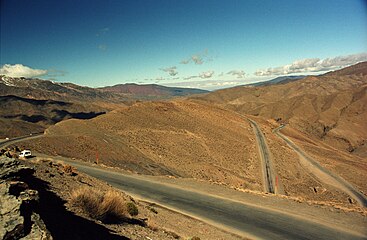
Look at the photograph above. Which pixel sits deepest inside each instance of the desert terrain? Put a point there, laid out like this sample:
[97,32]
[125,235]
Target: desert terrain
[211,138]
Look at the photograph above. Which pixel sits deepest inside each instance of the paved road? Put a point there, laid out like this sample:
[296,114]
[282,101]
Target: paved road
[240,218]
[250,221]
[323,174]
[265,158]
[20,139]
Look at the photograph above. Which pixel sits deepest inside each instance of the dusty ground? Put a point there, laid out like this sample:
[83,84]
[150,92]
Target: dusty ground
[180,138]
[162,223]
[217,146]
[206,138]
[350,167]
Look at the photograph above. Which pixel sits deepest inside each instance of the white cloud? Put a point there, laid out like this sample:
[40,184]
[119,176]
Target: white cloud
[237,73]
[314,65]
[207,74]
[172,71]
[19,70]
[198,58]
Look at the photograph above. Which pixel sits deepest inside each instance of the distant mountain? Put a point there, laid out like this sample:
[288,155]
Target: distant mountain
[31,105]
[69,92]
[278,80]
[331,107]
[151,90]
[49,90]
[357,69]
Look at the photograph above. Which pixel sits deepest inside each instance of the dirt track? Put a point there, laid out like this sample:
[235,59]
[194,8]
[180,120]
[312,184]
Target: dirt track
[323,174]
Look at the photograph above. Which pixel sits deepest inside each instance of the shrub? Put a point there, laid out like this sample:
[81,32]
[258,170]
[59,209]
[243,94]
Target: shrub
[109,207]
[132,209]
[152,209]
[69,170]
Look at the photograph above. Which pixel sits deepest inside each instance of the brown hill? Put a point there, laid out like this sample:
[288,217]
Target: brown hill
[192,139]
[180,138]
[31,105]
[331,107]
[22,116]
[69,92]
[49,90]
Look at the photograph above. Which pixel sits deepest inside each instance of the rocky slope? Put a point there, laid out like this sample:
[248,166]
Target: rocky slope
[18,203]
[37,201]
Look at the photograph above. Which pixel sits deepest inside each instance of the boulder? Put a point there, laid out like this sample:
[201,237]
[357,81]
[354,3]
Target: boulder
[17,204]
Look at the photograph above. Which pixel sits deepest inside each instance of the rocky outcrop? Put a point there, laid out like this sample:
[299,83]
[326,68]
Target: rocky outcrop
[18,219]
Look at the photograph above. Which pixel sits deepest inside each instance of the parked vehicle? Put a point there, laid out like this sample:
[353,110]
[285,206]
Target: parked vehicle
[25,154]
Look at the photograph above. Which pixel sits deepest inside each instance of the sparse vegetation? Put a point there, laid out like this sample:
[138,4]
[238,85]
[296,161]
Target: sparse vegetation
[109,207]
[153,210]
[68,169]
[132,209]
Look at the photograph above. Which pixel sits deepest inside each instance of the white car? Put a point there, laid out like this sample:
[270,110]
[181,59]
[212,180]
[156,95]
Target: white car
[25,154]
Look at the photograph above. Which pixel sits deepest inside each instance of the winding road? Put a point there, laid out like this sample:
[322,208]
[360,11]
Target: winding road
[237,217]
[268,170]
[8,142]
[321,173]
[247,220]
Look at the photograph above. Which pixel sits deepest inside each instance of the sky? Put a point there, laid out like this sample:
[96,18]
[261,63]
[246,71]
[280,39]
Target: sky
[207,44]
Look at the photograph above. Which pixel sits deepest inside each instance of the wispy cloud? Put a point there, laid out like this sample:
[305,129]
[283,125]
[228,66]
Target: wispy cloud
[208,84]
[237,73]
[314,65]
[102,47]
[172,71]
[207,74]
[19,70]
[53,73]
[190,77]
[198,58]
[160,79]
[102,31]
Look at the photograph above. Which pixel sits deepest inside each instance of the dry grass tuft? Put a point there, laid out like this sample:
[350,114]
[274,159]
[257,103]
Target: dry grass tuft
[68,169]
[109,207]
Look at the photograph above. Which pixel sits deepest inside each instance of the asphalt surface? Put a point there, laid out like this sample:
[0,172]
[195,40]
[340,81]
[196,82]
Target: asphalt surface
[19,139]
[265,158]
[246,220]
[323,174]
[239,218]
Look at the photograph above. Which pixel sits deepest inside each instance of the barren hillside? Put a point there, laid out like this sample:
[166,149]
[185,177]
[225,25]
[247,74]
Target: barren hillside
[187,139]
[180,138]
[331,107]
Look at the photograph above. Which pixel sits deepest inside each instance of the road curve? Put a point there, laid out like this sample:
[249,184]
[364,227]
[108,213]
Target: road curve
[265,158]
[239,218]
[323,174]
[20,139]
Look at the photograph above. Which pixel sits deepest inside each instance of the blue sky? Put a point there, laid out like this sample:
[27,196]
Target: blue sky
[208,44]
